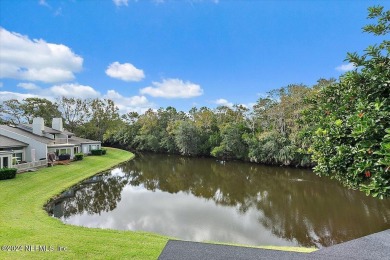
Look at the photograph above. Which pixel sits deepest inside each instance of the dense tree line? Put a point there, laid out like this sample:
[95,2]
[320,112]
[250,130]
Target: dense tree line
[341,127]
[267,133]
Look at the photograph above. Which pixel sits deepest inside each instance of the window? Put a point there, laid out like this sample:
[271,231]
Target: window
[93,147]
[63,151]
[59,151]
[5,162]
[18,156]
[76,149]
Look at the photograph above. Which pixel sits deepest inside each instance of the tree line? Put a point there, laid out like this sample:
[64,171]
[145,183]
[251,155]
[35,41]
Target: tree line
[339,127]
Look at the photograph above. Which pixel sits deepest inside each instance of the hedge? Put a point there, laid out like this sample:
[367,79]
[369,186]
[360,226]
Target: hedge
[7,173]
[63,157]
[98,152]
[78,156]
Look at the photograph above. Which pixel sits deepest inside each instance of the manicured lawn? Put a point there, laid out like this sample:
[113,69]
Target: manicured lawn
[24,223]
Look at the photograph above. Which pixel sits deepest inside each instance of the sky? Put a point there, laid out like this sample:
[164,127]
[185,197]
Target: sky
[157,53]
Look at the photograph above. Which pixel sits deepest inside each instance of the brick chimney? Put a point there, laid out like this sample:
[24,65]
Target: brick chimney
[57,124]
[38,125]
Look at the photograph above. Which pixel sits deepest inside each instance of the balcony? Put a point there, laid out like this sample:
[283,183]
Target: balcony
[60,141]
[30,165]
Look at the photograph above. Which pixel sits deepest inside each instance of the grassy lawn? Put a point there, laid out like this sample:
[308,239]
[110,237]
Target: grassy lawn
[24,222]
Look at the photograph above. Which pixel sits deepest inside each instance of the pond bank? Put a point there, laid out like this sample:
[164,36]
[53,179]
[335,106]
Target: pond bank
[26,231]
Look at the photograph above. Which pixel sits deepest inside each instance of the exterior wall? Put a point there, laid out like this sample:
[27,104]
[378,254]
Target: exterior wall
[40,148]
[70,147]
[86,148]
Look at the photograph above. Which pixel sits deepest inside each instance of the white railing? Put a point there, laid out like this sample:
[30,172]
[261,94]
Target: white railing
[60,141]
[29,165]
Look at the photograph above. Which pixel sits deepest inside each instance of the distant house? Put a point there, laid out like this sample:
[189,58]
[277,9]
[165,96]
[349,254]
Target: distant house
[32,142]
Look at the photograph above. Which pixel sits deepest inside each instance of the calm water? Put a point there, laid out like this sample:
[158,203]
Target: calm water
[206,200]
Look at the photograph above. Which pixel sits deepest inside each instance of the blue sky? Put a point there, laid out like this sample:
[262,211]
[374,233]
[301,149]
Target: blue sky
[157,53]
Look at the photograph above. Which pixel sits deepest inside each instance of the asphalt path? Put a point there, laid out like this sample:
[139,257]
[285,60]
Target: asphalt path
[375,246]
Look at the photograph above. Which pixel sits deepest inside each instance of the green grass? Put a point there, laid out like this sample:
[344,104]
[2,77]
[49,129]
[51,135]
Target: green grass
[24,222]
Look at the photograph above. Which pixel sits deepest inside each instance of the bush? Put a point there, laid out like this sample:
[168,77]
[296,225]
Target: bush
[7,173]
[78,156]
[63,157]
[351,133]
[97,152]
[104,151]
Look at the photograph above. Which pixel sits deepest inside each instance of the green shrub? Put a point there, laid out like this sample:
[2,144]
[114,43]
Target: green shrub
[7,173]
[78,156]
[351,133]
[97,152]
[64,157]
[104,151]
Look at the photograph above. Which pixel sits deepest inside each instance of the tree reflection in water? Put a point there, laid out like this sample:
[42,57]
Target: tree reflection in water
[293,204]
[98,194]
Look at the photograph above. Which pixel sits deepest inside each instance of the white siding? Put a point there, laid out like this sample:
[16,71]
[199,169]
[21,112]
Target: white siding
[40,148]
[86,148]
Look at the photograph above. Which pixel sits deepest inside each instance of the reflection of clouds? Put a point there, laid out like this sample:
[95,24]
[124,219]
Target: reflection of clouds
[183,216]
[117,172]
[199,199]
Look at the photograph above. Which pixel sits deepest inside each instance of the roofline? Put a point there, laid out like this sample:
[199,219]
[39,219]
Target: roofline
[60,145]
[19,145]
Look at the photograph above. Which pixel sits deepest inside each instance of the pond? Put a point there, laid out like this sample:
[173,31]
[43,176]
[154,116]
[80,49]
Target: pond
[203,199]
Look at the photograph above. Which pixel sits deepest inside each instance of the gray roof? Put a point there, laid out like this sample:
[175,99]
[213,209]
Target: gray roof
[51,130]
[48,130]
[6,142]
[79,140]
[72,140]
[26,133]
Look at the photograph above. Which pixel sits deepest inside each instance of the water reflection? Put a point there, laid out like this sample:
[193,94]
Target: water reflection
[204,199]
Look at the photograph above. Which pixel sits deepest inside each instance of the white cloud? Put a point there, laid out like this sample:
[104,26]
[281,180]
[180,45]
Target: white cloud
[58,12]
[73,90]
[44,3]
[28,86]
[250,105]
[36,60]
[173,88]
[223,102]
[121,2]
[7,95]
[126,104]
[202,1]
[345,67]
[51,93]
[125,71]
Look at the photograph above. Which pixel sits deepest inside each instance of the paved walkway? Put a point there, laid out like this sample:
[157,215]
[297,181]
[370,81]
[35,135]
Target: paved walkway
[375,246]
